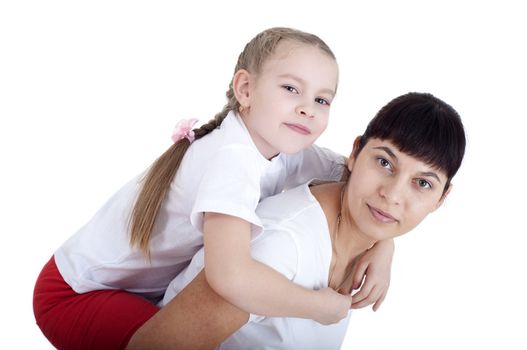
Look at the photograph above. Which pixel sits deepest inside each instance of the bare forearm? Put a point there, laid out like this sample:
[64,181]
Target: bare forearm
[258,289]
[250,285]
[197,318]
[254,287]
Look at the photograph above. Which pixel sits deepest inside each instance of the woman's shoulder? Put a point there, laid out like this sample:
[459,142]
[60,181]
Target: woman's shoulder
[288,205]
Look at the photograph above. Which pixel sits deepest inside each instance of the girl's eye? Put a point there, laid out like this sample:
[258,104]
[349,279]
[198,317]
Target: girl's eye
[290,89]
[322,101]
[423,183]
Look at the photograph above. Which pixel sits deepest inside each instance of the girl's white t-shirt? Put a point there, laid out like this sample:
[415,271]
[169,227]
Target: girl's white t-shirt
[297,244]
[222,172]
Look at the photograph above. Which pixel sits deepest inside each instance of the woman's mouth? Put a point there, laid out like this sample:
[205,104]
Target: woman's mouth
[302,130]
[381,216]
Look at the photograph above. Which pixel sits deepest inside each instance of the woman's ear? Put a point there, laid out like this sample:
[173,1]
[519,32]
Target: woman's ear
[354,152]
[241,83]
[443,197]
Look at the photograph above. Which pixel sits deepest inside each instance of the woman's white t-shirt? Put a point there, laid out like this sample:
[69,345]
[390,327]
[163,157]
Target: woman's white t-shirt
[296,243]
[222,172]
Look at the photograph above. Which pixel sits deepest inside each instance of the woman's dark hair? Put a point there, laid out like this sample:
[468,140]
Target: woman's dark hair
[424,127]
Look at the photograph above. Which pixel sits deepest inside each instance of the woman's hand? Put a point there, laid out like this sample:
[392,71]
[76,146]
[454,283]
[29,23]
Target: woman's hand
[372,275]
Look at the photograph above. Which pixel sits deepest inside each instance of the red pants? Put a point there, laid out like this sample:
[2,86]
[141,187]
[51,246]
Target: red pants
[103,319]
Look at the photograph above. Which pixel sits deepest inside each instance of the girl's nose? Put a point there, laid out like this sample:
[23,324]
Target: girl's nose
[305,110]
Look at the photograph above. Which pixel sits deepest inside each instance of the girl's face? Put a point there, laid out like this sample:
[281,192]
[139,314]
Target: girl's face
[289,100]
[389,192]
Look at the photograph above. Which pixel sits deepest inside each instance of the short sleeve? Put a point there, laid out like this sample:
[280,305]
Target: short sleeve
[230,185]
[314,163]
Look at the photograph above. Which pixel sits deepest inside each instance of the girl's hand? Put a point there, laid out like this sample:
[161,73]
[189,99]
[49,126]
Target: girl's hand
[373,268]
[334,306]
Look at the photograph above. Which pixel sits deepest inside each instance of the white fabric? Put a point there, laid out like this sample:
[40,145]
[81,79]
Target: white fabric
[222,172]
[297,244]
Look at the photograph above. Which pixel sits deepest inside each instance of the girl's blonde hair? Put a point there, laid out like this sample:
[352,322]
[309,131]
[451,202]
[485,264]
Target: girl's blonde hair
[156,183]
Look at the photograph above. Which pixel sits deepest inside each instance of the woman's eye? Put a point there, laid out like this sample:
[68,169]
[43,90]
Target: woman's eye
[423,183]
[290,89]
[384,163]
[322,101]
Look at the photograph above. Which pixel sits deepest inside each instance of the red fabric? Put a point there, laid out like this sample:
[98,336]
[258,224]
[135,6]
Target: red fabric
[103,319]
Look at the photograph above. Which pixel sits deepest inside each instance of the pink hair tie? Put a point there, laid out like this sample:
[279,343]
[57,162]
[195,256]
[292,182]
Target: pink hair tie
[183,129]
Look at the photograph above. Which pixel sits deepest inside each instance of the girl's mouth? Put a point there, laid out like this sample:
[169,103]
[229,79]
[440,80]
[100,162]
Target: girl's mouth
[298,128]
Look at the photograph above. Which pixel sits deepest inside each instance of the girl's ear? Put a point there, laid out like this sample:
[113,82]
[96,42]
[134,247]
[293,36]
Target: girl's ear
[354,152]
[241,87]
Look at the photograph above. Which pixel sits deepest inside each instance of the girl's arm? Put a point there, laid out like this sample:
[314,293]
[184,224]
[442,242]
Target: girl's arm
[255,287]
[196,319]
[374,267]
[315,162]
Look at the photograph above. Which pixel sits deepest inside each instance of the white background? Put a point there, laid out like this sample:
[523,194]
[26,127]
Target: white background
[90,92]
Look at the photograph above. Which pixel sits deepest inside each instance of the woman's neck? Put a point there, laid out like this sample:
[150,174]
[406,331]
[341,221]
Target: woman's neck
[347,241]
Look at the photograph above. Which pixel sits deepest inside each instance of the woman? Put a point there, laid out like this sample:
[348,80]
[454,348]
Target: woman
[400,171]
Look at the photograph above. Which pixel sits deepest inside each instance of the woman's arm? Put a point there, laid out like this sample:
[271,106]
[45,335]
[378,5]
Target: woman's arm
[374,268]
[255,287]
[197,318]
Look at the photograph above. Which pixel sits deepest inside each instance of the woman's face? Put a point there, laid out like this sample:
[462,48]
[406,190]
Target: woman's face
[390,192]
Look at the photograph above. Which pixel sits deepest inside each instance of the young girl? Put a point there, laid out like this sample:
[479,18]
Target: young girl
[204,190]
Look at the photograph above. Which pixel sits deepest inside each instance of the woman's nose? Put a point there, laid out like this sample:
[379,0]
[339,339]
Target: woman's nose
[393,191]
